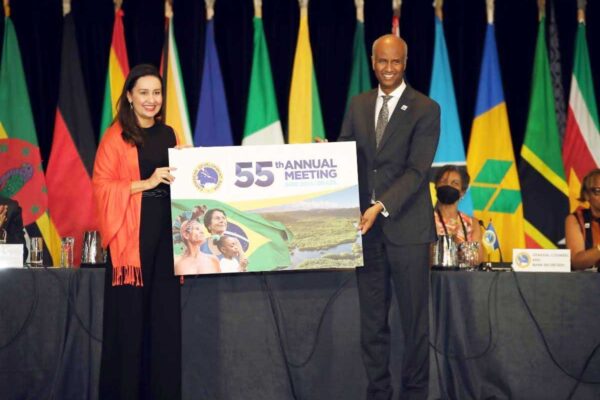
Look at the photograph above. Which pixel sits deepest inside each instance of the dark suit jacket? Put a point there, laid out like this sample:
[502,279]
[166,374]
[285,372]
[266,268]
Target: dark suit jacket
[14,223]
[398,170]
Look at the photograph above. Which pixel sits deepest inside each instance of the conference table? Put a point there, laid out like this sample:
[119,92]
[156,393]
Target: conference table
[295,335]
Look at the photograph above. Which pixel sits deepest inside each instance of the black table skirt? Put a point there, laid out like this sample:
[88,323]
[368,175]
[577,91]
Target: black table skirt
[264,336]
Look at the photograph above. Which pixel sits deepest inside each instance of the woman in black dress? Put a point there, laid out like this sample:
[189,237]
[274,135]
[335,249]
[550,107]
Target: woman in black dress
[141,352]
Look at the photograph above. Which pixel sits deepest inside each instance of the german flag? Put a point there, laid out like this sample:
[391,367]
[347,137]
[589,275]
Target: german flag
[70,194]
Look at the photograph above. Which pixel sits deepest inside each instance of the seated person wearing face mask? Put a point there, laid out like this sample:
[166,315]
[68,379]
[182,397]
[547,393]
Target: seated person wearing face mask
[451,183]
[582,227]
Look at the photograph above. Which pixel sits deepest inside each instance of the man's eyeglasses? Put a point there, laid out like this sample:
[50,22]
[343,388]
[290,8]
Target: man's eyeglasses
[595,191]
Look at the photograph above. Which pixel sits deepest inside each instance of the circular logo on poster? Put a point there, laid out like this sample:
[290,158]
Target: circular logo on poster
[523,260]
[207,177]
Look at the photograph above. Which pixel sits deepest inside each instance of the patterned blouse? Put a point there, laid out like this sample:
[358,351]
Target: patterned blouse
[455,226]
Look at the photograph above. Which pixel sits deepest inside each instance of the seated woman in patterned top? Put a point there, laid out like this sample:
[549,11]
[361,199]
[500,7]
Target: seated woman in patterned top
[451,183]
[582,227]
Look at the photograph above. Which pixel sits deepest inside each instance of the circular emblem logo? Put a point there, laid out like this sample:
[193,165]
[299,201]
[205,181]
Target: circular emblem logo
[523,260]
[489,238]
[207,177]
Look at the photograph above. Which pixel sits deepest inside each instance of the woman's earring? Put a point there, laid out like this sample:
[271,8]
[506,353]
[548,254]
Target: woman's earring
[131,105]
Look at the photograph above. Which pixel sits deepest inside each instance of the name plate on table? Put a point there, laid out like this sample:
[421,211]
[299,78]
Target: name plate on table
[11,255]
[265,208]
[540,260]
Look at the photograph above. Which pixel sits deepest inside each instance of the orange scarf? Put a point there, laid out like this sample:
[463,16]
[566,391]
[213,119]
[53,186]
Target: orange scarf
[118,210]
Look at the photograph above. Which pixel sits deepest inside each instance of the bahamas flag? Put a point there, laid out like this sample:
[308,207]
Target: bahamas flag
[305,122]
[118,69]
[545,190]
[451,149]
[265,242]
[174,100]
[495,188]
[212,121]
[21,173]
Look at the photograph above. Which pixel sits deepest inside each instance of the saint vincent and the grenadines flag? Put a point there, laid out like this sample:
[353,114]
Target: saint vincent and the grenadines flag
[212,121]
[545,190]
[21,172]
[174,100]
[70,194]
[118,69]
[265,242]
[451,149]
[305,121]
[262,117]
[495,186]
[581,146]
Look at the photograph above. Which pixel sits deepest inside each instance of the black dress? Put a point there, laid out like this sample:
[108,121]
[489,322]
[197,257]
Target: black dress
[141,352]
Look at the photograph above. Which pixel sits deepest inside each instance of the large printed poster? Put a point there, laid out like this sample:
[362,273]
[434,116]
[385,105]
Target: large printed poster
[265,208]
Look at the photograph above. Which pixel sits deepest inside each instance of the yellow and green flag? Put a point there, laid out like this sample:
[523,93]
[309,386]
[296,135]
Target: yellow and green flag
[305,122]
[495,189]
[174,100]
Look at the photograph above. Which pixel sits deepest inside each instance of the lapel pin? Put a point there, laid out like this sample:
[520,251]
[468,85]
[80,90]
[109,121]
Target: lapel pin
[404,107]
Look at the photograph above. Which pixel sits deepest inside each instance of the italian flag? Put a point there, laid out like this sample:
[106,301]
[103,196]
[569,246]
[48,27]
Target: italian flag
[581,146]
[262,118]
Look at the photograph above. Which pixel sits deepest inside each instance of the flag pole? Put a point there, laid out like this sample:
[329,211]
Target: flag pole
[360,10]
[437,5]
[66,6]
[258,8]
[168,9]
[210,9]
[581,4]
[396,6]
[489,4]
[541,9]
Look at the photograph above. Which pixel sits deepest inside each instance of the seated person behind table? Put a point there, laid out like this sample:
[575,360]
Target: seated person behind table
[228,246]
[11,222]
[451,183]
[582,228]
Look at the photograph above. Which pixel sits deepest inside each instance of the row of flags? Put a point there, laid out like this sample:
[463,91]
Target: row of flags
[524,204]
[533,216]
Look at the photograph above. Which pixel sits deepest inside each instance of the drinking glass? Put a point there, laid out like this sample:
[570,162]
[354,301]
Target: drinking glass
[468,255]
[36,251]
[66,252]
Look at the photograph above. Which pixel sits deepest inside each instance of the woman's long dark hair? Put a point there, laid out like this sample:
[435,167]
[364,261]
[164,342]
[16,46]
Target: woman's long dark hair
[132,132]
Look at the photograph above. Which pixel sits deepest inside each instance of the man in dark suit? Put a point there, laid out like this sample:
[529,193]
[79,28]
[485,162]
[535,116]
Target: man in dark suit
[396,130]
[11,221]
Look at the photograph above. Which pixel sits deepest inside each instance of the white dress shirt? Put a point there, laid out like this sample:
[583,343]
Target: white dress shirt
[391,102]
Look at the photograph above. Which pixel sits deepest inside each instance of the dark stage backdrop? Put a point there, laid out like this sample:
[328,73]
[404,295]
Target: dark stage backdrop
[39,28]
